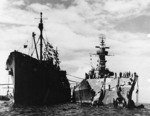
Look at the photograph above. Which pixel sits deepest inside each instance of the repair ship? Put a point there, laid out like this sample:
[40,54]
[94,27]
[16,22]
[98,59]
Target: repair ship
[38,81]
[102,86]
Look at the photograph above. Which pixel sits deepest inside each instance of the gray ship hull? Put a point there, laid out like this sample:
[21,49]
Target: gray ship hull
[91,88]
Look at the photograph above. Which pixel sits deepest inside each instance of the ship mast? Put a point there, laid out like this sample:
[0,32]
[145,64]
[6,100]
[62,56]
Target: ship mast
[102,56]
[41,35]
[102,53]
[102,63]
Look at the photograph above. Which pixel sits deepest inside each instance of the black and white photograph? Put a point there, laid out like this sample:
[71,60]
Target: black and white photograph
[74,57]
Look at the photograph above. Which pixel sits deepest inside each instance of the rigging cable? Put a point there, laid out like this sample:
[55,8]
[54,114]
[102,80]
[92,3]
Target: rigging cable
[45,35]
[73,81]
[74,76]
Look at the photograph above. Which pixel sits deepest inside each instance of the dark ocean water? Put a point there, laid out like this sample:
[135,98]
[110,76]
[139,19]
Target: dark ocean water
[70,109]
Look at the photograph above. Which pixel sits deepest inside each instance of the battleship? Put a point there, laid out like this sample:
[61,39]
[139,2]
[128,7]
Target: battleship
[102,86]
[38,81]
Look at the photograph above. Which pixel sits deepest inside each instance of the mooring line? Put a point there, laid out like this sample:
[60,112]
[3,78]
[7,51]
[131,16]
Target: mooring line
[74,76]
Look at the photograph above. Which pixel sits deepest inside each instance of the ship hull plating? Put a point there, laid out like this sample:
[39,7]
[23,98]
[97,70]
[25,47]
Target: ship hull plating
[90,89]
[35,82]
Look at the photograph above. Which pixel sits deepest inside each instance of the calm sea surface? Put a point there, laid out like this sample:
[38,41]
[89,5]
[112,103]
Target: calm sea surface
[70,109]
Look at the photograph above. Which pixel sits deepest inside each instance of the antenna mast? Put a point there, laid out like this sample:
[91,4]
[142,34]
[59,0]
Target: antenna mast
[102,53]
[41,35]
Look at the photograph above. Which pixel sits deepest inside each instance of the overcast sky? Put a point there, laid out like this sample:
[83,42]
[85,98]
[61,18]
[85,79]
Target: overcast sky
[74,27]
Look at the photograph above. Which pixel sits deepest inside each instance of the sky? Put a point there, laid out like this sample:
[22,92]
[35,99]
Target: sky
[74,27]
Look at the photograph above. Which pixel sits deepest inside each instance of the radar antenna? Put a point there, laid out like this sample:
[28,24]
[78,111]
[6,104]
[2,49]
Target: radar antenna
[101,39]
